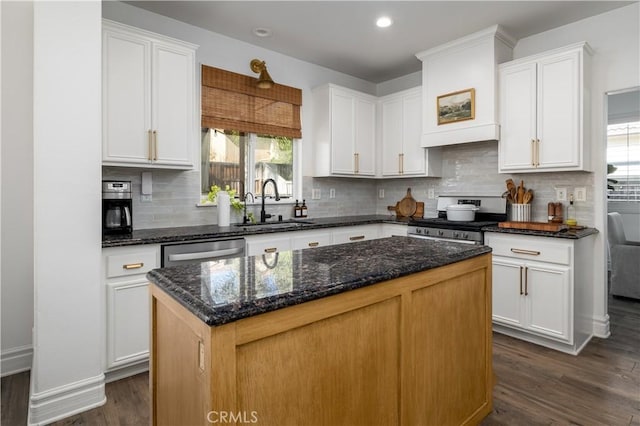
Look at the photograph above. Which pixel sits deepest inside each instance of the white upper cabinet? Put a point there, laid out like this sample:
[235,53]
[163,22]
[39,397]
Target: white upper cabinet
[470,62]
[345,132]
[544,111]
[401,131]
[149,116]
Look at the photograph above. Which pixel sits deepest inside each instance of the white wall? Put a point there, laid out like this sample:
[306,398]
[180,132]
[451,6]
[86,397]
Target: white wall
[615,39]
[67,371]
[17,186]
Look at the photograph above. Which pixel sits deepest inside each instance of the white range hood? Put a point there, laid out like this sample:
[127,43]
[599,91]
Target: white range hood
[467,63]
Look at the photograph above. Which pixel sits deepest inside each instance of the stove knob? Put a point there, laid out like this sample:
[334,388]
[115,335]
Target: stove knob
[465,235]
[441,233]
[456,235]
[418,231]
[427,232]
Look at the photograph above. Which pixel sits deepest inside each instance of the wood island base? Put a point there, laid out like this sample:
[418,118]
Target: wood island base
[415,350]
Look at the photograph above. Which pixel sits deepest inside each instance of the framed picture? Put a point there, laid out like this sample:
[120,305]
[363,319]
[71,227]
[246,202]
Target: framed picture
[456,106]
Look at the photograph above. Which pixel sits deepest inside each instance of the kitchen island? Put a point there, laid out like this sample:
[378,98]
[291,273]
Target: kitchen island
[389,331]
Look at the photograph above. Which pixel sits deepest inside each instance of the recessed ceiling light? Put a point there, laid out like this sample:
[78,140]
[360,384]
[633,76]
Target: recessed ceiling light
[384,22]
[262,32]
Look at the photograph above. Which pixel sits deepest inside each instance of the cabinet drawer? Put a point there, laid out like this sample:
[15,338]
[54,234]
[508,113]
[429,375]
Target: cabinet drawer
[353,234]
[310,239]
[540,249]
[270,244]
[135,263]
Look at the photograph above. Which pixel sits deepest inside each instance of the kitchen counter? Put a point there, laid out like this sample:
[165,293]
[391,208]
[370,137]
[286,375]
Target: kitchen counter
[228,290]
[570,234]
[394,331]
[191,233]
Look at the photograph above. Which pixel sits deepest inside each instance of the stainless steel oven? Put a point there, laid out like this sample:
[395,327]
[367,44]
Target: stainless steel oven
[491,210]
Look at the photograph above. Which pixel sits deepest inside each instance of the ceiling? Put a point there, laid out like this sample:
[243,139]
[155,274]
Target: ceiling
[342,35]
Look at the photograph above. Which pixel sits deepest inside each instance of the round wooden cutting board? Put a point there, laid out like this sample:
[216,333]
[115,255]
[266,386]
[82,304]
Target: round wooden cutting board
[408,205]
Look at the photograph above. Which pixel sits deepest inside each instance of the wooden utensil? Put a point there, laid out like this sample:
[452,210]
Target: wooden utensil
[520,195]
[407,206]
[528,196]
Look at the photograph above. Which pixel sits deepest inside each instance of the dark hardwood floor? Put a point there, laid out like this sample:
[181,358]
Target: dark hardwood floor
[535,385]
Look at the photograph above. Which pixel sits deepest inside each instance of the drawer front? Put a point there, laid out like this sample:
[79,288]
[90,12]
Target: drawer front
[355,233]
[134,263]
[310,239]
[541,249]
[271,244]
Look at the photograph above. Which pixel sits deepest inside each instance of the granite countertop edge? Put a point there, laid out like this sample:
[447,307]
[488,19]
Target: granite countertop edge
[201,232]
[567,234]
[224,314]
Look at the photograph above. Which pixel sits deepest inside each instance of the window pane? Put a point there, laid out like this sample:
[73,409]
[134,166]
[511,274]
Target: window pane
[623,153]
[274,160]
[223,159]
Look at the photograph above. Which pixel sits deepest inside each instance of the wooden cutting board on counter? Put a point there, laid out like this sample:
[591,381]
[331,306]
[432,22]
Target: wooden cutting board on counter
[534,226]
[418,214]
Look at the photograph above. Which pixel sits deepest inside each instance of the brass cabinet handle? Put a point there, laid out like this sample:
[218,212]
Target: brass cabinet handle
[314,244]
[399,163]
[521,251]
[533,152]
[537,152]
[521,281]
[155,145]
[526,286]
[133,265]
[271,250]
[150,141]
[356,162]
[356,238]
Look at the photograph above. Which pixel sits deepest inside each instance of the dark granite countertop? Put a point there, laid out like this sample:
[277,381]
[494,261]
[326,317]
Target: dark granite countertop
[227,290]
[192,233]
[569,233]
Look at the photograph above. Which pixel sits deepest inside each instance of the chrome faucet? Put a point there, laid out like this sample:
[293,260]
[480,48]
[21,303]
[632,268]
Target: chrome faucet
[263,215]
[253,200]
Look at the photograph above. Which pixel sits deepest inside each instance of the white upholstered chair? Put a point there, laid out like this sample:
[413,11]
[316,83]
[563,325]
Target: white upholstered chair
[625,260]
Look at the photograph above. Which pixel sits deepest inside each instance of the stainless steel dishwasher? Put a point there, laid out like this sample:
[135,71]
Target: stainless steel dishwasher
[181,253]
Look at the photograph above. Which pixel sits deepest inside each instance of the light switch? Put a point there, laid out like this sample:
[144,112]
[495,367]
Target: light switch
[147,185]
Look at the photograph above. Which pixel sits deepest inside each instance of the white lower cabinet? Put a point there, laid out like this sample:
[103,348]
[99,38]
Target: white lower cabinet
[351,234]
[269,243]
[391,230]
[127,307]
[310,239]
[542,289]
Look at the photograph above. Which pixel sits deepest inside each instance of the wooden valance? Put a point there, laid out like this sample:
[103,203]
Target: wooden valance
[232,101]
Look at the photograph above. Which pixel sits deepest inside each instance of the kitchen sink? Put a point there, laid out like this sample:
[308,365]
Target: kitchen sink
[285,224]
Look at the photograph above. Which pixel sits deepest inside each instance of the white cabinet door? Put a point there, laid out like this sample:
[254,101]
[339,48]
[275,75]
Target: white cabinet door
[126,114]
[128,322]
[310,239]
[342,132]
[391,230]
[365,136]
[413,159]
[392,135]
[173,105]
[517,117]
[148,99]
[559,111]
[507,292]
[272,243]
[548,293]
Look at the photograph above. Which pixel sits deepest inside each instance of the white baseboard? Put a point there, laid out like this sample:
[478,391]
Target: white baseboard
[601,327]
[124,372]
[64,401]
[16,360]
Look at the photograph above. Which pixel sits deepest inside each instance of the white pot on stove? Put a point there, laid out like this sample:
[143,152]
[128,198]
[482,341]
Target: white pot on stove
[461,212]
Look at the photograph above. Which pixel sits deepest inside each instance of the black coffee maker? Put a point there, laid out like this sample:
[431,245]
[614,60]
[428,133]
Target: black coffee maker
[116,208]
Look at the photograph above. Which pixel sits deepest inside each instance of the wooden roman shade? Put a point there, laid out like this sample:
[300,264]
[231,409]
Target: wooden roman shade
[232,101]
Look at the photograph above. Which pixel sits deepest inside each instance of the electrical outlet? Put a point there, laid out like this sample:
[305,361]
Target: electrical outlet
[315,193]
[332,193]
[431,193]
[381,193]
[580,194]
[145,198]
[561,194]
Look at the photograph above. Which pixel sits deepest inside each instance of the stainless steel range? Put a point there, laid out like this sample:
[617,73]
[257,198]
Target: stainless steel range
[491,210]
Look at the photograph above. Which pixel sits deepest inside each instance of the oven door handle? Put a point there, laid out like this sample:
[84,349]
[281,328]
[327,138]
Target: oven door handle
[453,240]
[204,254]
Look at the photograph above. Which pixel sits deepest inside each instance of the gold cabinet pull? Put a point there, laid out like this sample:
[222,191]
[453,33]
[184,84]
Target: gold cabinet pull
[271,250]
[533,152]
[400,163]
[150,142]
[521,281]
[526,286]
[314,244]
[537,152]
[356,162]
[128,266]
[356,238]
[155,145]
[521,251]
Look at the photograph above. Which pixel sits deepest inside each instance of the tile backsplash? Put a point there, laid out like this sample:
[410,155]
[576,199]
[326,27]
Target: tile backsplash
[468,169]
